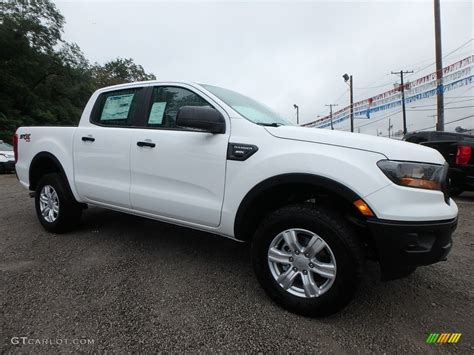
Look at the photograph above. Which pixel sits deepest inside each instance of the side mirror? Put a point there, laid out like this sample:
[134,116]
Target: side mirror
[203,118]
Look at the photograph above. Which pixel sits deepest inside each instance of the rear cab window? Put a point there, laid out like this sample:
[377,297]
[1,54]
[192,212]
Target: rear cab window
[116,108]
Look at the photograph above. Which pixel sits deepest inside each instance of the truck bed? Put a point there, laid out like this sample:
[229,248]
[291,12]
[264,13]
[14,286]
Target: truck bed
[37,140]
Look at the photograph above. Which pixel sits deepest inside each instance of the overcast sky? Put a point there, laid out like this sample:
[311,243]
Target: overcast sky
[280,53]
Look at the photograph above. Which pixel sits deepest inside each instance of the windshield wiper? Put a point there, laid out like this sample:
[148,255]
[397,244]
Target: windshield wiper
[273,124]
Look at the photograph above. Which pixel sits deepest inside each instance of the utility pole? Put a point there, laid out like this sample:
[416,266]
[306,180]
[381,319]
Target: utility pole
[402,89]
[439,68]
[347,78]
[330,112]
[352,104]
[390,126]
[297,113]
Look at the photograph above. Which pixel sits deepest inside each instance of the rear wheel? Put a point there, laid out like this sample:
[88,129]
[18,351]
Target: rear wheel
[56,208]
[307,259]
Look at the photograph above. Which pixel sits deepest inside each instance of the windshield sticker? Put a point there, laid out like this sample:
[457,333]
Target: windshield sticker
[156,113]
[116,107]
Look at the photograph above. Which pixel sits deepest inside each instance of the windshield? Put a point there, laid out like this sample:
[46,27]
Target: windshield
[5,146]
[248,108]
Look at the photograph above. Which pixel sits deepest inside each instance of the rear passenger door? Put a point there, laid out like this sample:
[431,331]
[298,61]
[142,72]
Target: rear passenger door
[102,148]
[176,173]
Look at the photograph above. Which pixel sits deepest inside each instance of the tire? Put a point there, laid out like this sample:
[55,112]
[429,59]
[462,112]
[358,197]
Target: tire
[342,248]
[66,212]
[455,191]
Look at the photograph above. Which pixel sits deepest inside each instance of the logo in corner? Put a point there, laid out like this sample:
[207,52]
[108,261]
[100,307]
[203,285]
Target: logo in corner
[443,338]
[26,136]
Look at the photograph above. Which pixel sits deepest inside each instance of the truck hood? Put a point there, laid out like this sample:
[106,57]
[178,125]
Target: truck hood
[393,149]
[9,154]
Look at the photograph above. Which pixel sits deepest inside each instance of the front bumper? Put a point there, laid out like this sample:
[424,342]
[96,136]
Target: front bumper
[402,246]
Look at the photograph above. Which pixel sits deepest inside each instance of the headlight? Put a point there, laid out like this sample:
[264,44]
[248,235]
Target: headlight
[420,175]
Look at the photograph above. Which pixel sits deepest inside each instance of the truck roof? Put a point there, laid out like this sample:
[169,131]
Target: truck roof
[145,83]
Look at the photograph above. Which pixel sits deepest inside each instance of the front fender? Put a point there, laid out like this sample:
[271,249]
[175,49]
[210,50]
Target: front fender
[353,169]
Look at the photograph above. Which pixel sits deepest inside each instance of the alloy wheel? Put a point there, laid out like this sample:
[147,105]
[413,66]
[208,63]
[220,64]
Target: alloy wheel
[302,263]
[49,203]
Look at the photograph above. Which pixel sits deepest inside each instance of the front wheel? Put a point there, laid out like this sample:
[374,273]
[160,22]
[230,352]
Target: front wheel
[56,208]
[307,259]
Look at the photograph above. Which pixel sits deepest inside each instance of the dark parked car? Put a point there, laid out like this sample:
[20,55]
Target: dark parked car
[7,158]
[457,149]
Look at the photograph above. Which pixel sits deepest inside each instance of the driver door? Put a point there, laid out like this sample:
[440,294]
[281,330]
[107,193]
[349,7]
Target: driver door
[177,174]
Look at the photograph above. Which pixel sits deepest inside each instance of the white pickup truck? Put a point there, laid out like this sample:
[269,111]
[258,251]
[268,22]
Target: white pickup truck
[314,204]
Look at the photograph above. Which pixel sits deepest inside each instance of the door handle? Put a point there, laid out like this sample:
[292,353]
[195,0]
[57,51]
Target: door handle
[146,144]
[88,139]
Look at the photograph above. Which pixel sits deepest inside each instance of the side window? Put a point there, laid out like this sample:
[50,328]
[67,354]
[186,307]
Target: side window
[115,108]
[165,103]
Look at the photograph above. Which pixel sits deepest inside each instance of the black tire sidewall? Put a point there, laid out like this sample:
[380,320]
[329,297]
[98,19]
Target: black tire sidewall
[335,235]
[69,211]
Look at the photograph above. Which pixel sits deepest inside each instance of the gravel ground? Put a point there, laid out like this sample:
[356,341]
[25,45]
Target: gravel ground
[123,283]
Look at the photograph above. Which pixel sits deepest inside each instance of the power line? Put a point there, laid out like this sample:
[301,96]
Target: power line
[330,113]
[337,101]
[418,70]
[453,121]
[450,102]
[397,112]
[402,88]
[377,86]
[460,119]
[410,74]
[446,55]
[380,119]
[446,108]
[341,96]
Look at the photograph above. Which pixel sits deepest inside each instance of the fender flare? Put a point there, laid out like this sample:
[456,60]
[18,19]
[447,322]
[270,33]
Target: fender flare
[292,178]
[56,161]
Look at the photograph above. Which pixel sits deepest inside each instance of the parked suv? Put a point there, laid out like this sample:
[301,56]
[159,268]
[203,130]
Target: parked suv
[313,204]
[7,159]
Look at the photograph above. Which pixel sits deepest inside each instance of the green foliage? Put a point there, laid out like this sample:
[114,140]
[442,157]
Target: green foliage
[43,79]
[38,22]
[119,71]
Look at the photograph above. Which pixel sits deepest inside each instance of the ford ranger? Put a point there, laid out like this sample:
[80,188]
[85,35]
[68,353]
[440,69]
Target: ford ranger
[313,204]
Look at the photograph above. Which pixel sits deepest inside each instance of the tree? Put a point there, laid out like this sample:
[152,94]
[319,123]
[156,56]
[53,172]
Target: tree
[39,22]
[43,79]
[119,71]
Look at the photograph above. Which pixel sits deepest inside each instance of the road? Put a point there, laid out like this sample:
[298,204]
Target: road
[122,283]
